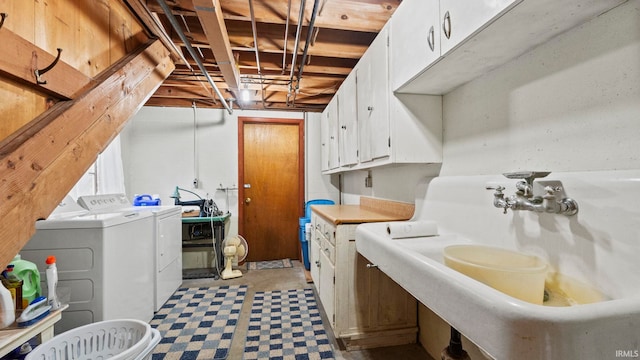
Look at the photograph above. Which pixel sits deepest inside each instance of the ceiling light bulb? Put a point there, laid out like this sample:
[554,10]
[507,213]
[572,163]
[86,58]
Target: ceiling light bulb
[246,96]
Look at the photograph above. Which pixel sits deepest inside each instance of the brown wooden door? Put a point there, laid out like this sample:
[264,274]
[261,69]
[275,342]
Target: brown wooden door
[271,186]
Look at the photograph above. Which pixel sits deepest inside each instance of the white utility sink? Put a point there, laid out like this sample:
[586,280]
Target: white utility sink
[502,325]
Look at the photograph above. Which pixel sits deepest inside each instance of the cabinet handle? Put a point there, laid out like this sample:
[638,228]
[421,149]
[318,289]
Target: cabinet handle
[344,127]
[370,108]
[446,25]
[431,38]
[369,266]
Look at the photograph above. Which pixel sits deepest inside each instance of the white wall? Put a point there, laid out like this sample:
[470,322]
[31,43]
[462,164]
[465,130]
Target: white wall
[159,154]
[572,104]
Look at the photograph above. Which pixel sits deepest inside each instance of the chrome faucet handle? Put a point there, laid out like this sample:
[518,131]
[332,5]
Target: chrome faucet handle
[498,188]
[550,190]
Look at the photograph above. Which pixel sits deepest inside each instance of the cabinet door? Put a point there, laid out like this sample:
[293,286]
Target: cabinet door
[314,258]
[414,39]
[327,287]
[348,122]
[460,19]
[332,130]
[372,77]
[324,139]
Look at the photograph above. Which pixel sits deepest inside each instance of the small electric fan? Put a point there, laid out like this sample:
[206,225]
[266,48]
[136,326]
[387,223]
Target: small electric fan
[235,249]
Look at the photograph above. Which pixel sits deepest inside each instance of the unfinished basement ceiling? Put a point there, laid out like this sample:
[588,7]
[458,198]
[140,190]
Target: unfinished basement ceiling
[342,31]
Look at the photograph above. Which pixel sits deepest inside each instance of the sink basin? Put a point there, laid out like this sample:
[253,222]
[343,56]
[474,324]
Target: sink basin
[503,325]
[517,274]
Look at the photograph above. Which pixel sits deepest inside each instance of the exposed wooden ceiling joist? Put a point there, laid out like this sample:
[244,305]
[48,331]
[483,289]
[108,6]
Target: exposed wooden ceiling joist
[211,19]
[343,30]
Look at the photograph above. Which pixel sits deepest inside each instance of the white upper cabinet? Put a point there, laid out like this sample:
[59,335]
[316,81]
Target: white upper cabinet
[331,118]
[348,121]
[415,39]
[460,19]
[373,99]
[478,36]
[424,30]
[324,140]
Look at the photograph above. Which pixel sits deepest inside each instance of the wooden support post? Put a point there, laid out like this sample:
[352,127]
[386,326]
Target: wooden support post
[39,168]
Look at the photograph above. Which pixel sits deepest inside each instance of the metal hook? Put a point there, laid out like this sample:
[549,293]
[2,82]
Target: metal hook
[4,16]
[39,73]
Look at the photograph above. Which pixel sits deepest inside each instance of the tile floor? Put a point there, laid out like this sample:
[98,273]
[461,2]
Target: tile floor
[293,278]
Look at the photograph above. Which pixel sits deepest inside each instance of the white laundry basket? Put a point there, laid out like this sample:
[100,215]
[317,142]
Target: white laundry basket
[123,339]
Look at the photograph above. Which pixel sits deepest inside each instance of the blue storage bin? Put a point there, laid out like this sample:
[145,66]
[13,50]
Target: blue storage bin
[145,200]
[307,210]
[303,221]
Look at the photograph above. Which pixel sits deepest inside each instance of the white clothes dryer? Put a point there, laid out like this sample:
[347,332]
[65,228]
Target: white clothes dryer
[167,235]
[168,250]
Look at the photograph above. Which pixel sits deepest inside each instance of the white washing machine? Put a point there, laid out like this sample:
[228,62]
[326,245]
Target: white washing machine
[167,229]
[104,267]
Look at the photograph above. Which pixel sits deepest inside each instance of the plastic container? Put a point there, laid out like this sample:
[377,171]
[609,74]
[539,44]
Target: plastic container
[14,284]
[302,232]
[307,211]
[30,276]
[145,200]
[52,282]
[7,309]
[121,339]
[516,274]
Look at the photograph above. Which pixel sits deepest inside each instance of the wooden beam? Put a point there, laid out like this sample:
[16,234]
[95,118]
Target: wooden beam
[62,81]
[353,15]
[177,102]
[42,164]
[152,23]
[215,30]
[328,43]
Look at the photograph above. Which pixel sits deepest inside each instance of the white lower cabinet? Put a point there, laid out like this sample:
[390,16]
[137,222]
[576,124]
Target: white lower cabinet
[327,287]
[365,307]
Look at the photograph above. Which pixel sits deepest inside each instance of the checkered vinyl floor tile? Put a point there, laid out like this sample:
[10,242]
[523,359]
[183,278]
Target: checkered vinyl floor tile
[198,323]
[286,325]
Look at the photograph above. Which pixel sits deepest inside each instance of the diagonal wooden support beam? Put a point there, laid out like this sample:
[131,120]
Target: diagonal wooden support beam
[154,26]
[63,80]
[40,165]
[212,21]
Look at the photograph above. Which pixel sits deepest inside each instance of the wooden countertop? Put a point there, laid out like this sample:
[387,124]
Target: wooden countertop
[369,210]
[14,336]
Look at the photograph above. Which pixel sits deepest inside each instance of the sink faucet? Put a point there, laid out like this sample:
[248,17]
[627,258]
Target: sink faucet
[524,198]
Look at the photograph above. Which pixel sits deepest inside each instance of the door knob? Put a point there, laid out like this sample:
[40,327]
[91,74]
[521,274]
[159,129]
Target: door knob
[247,200]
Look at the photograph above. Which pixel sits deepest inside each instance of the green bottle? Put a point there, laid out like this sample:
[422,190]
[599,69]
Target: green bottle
[29,274]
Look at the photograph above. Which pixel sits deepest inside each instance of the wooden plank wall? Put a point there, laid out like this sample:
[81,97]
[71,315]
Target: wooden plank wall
[93,34]
[44,151]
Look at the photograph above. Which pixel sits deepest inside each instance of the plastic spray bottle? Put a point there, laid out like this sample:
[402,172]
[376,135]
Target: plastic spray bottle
[52,282]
